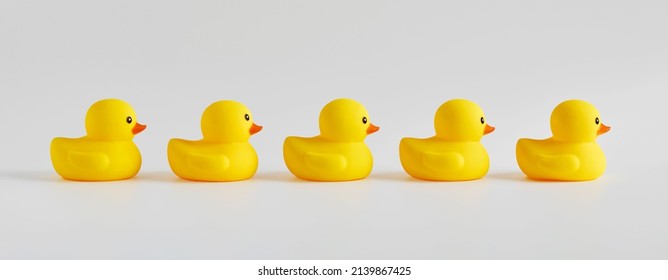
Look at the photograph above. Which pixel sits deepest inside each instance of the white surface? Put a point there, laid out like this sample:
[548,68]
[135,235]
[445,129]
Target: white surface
[285,61]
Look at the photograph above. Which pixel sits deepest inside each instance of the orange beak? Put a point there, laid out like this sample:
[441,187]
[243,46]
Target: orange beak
[488,129]
[255,128]
[371,129]
[138,128]
[603,129]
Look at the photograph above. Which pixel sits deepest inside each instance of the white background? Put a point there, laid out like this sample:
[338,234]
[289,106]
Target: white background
[285,60]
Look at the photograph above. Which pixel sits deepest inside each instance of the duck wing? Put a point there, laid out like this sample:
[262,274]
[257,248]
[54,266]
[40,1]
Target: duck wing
[91,161]
[563,163]
[443,160]
[325,161]
[215,162]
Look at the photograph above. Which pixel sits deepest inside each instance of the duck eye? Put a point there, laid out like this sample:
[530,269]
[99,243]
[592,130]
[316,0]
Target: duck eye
[128,119]
[247,117]
[482,120]
[597,121]
[364,120]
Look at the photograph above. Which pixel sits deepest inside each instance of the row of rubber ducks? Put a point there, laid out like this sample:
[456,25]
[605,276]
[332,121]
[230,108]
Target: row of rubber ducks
[339,152]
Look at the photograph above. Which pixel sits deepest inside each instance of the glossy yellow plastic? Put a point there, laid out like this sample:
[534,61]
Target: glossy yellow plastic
[571,154]
[455,152]
[224,153]
[106,152]
[339,152]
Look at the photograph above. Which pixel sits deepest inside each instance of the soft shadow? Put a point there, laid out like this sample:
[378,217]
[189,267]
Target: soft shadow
[557,182]
[394,176]
[509,176]
[287,177]
[399,176]
[34,176]
[169,177]
[520,177]
[279,176]
[159,176]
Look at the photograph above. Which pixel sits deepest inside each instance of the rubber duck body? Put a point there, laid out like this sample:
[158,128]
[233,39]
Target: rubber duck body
[339,152]
[571,154]
[106,152]
[224,153]
[455,152]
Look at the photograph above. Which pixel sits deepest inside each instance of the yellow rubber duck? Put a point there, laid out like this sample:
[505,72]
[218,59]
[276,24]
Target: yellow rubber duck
[455,152]
[224,153]
[339,152]
[106,152]
[571,154]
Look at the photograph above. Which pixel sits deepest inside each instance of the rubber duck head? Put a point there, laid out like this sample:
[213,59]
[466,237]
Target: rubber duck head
[228,122]
[461,120]
[112,120]
[576,121]
[345,120]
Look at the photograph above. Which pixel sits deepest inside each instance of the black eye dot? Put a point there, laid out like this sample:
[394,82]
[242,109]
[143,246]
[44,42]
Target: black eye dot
[128,119]
[247,117]
[597,121]
[482,120]
[364,120]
